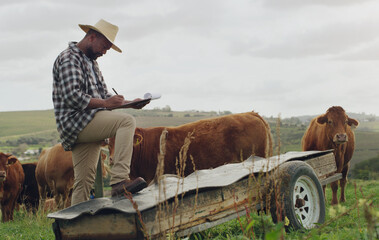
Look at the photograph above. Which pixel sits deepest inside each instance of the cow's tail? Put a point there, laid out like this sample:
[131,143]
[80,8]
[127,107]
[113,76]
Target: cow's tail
[269,150]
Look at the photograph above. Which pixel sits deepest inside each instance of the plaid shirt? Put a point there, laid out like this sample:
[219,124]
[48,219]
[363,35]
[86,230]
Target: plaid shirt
[74,86]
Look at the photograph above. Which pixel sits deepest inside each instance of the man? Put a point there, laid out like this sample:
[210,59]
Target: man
[81,106]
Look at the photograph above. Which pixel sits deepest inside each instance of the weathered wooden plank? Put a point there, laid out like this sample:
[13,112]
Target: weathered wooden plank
[333,178]
[192,210]
[323,166]
[104,226]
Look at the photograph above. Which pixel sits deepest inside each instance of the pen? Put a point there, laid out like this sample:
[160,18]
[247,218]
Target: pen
[114,91]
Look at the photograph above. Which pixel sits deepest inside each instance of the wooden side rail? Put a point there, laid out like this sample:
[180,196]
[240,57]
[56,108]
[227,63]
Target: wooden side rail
[333,178]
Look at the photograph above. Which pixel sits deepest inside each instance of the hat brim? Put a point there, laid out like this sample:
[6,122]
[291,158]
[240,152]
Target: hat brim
[86,28]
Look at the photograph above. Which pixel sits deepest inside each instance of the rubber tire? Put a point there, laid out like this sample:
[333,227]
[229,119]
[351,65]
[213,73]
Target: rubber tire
[301,174]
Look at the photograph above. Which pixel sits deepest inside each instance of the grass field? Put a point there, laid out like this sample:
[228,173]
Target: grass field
[352,224]
[344,221]
[350,220]
[15,124]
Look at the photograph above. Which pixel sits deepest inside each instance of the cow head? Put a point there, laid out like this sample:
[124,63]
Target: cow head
[5,161]
[336,122]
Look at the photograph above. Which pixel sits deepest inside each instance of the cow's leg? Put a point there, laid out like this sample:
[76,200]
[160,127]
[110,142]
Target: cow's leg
[323,189]
[42,196]
[5,213]
[334,186]
[61,189]
[58,200]
[343,182]
[11,209]
[68,198]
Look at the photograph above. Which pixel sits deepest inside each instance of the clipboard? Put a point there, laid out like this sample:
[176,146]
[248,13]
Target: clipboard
[133,104]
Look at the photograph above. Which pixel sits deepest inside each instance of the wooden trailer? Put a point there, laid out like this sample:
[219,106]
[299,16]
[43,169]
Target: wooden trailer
[206,198]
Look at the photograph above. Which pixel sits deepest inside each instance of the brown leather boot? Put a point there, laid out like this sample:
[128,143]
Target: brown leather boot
[131,186]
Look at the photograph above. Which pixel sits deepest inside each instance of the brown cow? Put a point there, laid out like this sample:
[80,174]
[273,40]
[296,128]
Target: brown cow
[11,180]
[55,173]
[214,142]
[333,130]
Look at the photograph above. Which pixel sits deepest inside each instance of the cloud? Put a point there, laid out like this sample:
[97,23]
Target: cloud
[291,57]
[300,3]
[313,32]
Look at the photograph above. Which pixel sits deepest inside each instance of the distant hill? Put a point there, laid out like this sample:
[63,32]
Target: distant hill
[361,117]
[37,129]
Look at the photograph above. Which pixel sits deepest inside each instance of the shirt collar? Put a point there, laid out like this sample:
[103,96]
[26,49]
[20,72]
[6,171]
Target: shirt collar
[75,48]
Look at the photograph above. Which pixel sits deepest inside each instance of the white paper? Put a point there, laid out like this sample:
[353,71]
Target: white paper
[152,96]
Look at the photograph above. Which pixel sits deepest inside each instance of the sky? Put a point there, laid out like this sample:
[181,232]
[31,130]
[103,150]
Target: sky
[276,57]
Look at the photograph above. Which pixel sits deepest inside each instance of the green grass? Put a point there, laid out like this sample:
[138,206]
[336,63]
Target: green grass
[26,122]
[368,126]
[367,146]
[27,226]
[351,225]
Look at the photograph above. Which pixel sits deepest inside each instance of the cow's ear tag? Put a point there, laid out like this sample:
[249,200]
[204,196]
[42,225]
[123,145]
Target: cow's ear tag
[138,139]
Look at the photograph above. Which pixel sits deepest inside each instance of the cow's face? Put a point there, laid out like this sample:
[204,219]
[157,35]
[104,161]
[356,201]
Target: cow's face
[336,122]
[5,161]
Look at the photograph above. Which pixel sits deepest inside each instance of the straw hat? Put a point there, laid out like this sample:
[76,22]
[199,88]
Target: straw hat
[107,29]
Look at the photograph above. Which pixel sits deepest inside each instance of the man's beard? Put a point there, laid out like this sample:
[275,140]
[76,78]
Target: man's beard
[92,55]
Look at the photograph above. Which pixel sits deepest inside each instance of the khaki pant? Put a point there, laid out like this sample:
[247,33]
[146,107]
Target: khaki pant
[85,153]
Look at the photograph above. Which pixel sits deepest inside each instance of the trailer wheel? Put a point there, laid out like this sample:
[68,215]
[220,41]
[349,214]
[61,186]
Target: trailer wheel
[300,197]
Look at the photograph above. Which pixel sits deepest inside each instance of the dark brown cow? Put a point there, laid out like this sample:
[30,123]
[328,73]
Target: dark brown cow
[55,173]
[29,195]
[11,179]
[214,142]
[333,130]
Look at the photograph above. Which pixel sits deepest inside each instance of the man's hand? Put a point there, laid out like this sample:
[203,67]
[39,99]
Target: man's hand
[114,101]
